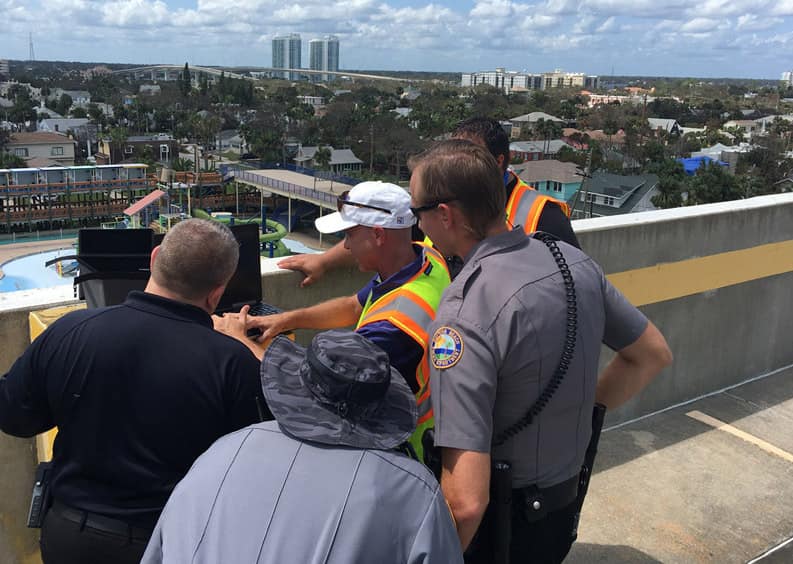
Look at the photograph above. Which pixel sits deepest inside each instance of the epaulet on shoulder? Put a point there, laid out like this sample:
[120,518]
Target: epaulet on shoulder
[543,235]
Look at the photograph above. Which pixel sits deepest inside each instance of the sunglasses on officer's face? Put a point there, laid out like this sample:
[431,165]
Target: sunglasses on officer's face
[342,201]
[427,207]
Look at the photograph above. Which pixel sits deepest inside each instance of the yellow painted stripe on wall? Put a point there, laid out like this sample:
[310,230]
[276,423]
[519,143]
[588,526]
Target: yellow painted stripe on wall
[668,281]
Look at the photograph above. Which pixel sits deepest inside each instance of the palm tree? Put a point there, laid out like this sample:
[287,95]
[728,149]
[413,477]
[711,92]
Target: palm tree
[206,128]
[547,129]
[183,165]
[118,136]
[322,157]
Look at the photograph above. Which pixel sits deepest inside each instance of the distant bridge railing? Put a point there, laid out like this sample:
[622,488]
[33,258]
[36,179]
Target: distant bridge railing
[228,170]
[328,200]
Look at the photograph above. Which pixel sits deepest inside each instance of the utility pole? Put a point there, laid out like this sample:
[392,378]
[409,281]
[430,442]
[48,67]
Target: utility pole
[584,175]
[371,148]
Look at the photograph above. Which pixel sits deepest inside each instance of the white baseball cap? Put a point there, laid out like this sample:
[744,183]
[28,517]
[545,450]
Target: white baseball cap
[373,204]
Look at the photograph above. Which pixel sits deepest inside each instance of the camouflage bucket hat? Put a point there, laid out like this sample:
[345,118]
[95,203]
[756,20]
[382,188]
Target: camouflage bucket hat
[341,390]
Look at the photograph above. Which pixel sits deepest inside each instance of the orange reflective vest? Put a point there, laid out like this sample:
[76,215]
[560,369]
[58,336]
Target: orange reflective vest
[525,206]
[411,308]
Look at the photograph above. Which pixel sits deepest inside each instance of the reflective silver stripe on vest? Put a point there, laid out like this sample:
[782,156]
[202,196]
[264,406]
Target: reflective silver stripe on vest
[416,314]
[424,407]
[404,305]
[524,207]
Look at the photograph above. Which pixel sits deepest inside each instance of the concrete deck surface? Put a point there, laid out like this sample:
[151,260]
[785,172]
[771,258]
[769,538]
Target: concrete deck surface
[327,186]
[710,481]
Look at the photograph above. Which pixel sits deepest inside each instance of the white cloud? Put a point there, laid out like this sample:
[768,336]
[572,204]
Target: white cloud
[497,9]
[636,8]
[563,7]
[608,25]
[782,8]
[134,13]
[750,22]
[700,25]
[585,23]
[538,21]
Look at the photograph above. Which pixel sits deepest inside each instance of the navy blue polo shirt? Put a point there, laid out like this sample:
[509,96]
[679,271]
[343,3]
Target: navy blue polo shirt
[403,351]
[138,391]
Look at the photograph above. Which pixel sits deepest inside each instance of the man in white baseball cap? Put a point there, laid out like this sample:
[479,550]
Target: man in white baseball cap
[395,308]
[371,204]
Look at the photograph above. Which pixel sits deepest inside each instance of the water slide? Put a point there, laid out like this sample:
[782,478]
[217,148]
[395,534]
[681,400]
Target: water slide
[275,231]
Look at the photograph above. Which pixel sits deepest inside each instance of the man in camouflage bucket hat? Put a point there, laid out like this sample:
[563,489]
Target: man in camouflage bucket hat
[341,391]
[321,484]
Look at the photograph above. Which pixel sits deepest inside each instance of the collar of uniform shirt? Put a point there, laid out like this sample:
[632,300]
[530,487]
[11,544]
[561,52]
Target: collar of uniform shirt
[381,287]
[170,308]
[492,245]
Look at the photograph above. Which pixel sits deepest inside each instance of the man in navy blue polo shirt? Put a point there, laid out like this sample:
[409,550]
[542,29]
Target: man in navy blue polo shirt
[138,391]
[395,308]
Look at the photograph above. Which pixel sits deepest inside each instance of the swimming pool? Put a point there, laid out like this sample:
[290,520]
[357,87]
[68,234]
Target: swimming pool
[28,272]
[298,247]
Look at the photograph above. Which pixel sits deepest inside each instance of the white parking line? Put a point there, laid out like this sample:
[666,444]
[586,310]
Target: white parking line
[770,551]
[727,428]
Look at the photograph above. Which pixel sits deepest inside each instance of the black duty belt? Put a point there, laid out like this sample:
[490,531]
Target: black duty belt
[102,523]
[538,502]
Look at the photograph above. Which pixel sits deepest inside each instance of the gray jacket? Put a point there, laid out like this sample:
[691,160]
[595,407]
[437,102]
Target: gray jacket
[260,496]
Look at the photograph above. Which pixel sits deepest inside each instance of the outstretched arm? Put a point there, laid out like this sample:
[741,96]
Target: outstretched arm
[332,314]
[314,266]
[633,368]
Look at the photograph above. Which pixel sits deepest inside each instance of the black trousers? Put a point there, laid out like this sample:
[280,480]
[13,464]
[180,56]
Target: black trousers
[546,541]
[64,541]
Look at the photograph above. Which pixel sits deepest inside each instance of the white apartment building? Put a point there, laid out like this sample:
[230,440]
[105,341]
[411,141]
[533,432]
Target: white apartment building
[513,81]
[287,50]
[324,55]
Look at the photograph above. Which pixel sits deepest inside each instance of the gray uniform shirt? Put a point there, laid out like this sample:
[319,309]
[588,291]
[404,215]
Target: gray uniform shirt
[497,340]
[258,495]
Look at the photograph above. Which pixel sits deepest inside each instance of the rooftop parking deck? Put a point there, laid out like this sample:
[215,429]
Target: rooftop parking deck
[708,481]
[698,467]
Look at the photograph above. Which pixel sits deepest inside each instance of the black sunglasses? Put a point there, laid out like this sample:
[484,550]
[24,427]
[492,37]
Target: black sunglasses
[342,201]
[427,207]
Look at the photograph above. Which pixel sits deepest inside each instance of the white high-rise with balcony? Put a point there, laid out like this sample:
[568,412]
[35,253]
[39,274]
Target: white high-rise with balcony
[287,50]
[324,55]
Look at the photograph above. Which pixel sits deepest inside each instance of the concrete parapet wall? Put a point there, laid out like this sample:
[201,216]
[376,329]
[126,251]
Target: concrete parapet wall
[716,279]
[18,544]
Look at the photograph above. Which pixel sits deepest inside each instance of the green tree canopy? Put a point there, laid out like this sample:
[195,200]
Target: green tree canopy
[322,157]
[671,183]
[185,83]
[712,183]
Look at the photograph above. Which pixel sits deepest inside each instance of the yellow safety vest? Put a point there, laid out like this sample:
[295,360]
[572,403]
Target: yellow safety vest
[411,308]
[525,206]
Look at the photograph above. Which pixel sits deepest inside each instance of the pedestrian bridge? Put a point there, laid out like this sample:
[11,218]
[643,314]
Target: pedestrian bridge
[697,468]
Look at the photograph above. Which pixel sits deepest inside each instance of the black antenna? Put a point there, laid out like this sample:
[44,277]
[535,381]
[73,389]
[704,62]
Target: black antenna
[32,52]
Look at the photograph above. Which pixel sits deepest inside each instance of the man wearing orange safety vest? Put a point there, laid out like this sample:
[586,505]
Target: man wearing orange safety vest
[525,206]
[395,308]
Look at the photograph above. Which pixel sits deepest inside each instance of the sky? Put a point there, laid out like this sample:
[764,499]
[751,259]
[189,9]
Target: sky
[709,38]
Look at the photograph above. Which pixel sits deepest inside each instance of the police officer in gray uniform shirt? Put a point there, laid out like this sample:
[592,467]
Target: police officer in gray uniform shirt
[322,485]
[497,342]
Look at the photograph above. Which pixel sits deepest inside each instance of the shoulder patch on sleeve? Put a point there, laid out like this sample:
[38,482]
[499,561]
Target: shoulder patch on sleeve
[446,348]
